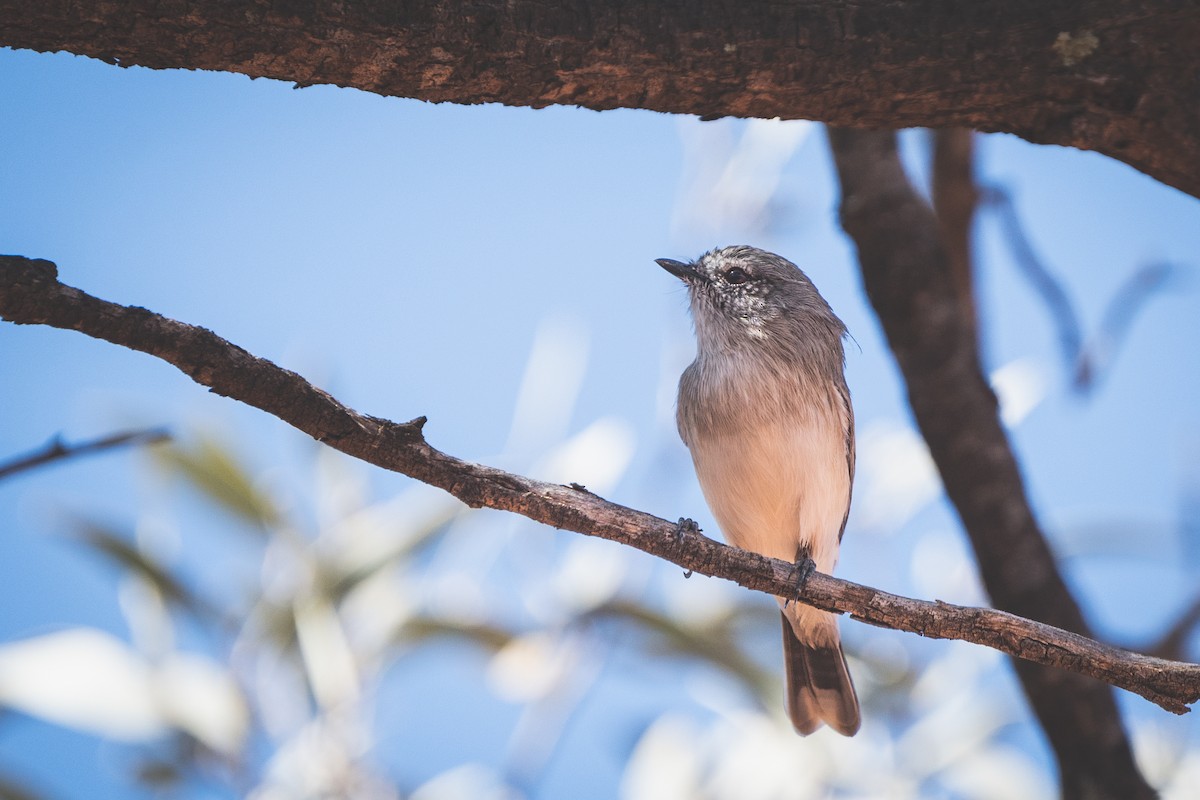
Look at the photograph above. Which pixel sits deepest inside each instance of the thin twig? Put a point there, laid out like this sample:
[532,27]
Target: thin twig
[1049,288]
[1100,350]
[1085,360]
[30,293]
[1172,643]
[57,450]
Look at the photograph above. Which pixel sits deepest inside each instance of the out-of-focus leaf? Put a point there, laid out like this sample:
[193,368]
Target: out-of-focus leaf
[274,624]
[715,644]
[539,668]
[200,697]
[338,585]
[380,536]
[215,472]
[11,789]
[121,550]
[83,679]
[590,573]
[420,629]
[597,456]
[91,681]
[666,763]
[345,581]
[323,759]
[159,775]
[475,781]
[329,661]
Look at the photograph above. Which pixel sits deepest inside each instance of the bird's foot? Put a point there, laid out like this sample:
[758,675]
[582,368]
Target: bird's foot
[685,527]
[806,567]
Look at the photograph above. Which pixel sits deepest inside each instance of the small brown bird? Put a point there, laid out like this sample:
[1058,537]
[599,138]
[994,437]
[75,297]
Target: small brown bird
[765,411]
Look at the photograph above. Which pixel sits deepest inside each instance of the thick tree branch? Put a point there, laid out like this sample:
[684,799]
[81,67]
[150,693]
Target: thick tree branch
[908,277]
[1116,76]
[954,200]
[30,293]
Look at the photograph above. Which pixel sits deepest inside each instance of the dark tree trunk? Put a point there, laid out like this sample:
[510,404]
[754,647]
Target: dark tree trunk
[909,279]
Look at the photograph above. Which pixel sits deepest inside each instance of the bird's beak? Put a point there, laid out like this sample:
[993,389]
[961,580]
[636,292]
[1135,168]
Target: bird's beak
[685,272]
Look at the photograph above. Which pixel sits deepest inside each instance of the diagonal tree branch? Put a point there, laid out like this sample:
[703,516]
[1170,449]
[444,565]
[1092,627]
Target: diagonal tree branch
[1173,643]
[56,450]
[1049,288]
[1085,361]
[955,197]
[908,278]
[30,293]
[1115,76]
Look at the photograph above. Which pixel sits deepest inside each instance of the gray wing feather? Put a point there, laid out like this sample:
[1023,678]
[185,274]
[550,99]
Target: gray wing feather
[844,393]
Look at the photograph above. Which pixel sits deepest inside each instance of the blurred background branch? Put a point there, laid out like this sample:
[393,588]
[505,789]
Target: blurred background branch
[955,199]
[1173,644]
[1085,359]
[58,450]
[909,277]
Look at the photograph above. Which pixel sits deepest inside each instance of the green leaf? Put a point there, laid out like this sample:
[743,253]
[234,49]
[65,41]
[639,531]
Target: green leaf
[121,550]
[715,644]
[409,546]
[159,775]
[421,629]
[214,470]
[10,789]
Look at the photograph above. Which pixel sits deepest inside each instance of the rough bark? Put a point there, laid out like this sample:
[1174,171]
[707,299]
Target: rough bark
[1117,76]
[908,278]
[30,293]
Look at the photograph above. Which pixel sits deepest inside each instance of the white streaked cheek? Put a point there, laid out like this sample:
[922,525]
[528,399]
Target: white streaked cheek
[757,329]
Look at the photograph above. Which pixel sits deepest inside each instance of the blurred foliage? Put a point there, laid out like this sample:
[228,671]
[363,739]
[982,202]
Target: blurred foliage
[124,552]
[13,789]
[214,471]
[714,643]
[302,641]
[339,594]
[325,613]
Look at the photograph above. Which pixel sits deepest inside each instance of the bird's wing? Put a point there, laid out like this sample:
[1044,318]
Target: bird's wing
[844,393]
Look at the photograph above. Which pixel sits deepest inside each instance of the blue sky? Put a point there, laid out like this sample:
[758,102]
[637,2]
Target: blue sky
[408,256]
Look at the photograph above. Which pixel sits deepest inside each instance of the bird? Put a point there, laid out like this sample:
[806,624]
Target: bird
[765,412]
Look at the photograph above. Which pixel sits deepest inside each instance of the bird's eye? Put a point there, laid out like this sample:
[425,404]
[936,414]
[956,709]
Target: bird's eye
[736,276]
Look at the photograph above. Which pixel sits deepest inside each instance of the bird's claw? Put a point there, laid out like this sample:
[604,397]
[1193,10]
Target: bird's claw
[684,527]
[806,567]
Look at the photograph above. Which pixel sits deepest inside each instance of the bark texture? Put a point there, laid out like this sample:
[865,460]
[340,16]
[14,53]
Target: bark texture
[30,293]
[1118,76]
[908,277]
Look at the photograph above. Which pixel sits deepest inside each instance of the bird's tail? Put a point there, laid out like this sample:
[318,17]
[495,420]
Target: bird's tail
[819,689]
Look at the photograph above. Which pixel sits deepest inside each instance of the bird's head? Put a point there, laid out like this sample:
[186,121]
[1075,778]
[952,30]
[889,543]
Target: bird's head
[746,299]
